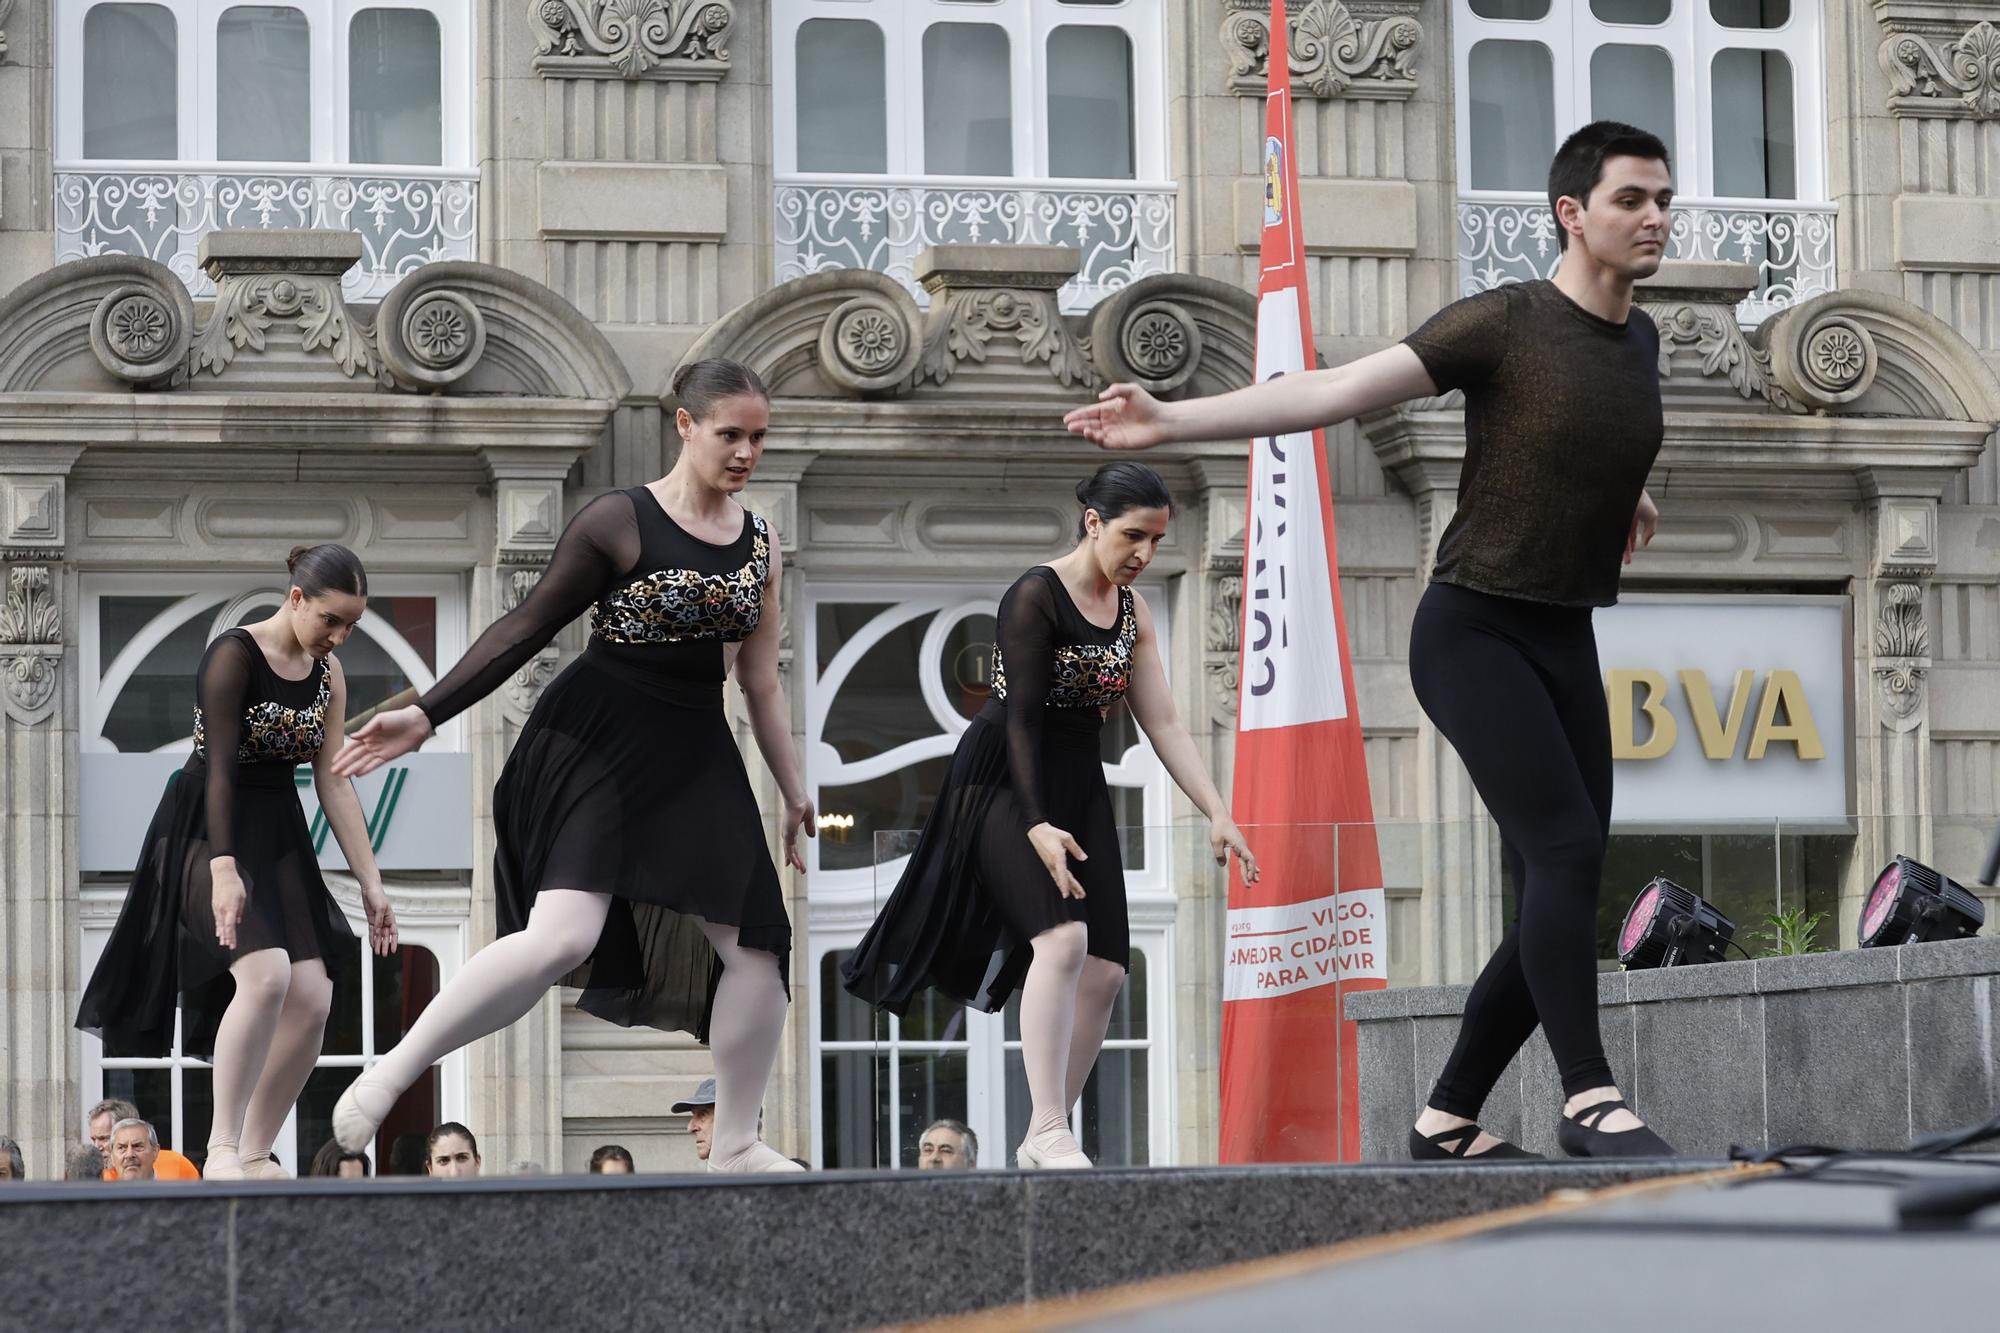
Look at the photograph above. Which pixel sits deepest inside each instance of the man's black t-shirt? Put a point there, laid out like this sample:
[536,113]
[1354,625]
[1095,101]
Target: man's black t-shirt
[1562,423]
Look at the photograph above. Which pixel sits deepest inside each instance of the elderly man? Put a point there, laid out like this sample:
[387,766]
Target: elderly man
[167,1165]
[82,1161]
[135,1150]
[700,1111]
[11,1165]
[948,1145]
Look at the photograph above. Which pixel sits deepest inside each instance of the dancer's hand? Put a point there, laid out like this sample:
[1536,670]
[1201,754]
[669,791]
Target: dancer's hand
[1055,847]
[226,897]
[1124,416]
[381,920]
[386,736]
[1223,838]
[799,815]
[1645,522]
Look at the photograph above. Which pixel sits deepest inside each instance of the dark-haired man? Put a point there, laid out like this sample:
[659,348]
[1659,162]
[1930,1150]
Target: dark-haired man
[1562,423]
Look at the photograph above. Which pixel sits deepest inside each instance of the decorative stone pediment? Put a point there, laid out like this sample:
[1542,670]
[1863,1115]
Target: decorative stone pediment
[1364,50]
[1938,66]
[631,39]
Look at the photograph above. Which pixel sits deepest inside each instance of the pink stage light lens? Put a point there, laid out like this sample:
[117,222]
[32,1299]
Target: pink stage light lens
[1638,919]
[1881,899]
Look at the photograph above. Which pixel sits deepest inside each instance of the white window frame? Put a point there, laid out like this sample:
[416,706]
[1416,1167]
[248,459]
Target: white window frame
[1028,24]
[1692,38]
[440,925]
[198,78]
[987,1048]
[1140,767]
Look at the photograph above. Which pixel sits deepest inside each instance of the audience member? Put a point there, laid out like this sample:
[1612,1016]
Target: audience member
[135,1149]
[11,1165]
[451,1151]
[700,1111]
[83,1162]
[167,1164]
[334,1160]
[948,1145]
[611,1160]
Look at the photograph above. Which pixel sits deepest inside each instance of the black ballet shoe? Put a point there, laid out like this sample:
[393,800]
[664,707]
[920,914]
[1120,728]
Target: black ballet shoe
[1433,1147]
[1580,1136]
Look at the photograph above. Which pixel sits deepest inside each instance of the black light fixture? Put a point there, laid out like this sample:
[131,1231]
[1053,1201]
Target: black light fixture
[1912,903]
[1669,926]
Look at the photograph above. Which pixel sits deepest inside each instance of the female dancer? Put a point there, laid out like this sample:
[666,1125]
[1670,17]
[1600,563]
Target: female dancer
[1562,423]
[1016,879]
[631,858]
[228,906]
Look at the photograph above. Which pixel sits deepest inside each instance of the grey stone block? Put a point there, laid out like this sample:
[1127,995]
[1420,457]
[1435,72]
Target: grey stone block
[1953,1082]
[1699,1076]
[1836,1070]
[1978,956]
[1534,1074]
[1612,987]
[1651,984]
[1811,971]
[1388,1095]
[59,1239]
[1406,1002]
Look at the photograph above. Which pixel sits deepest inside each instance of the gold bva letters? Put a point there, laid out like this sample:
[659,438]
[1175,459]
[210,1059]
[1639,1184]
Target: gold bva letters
[1782,689]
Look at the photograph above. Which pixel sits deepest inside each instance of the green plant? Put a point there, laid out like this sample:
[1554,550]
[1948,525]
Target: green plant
[1790,932]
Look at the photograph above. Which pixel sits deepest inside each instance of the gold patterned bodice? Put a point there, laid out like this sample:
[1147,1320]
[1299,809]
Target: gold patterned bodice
[1086,675]
[687,606]
[276,733]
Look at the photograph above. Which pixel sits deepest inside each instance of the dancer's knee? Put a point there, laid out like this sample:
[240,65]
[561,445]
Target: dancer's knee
[262,978]
[565,931]
[311,994]
[1065,946]
[1102,979]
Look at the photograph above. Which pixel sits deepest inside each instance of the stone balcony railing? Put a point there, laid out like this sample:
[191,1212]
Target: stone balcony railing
[1123,230]
[1506,238]
[406,216]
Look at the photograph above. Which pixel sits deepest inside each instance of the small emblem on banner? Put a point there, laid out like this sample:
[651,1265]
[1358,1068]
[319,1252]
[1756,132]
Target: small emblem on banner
[1274,182]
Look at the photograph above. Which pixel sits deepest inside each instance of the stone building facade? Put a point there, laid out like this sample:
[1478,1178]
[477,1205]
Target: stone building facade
[413,275]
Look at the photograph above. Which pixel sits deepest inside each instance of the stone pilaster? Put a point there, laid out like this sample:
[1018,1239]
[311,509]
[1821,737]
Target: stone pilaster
[38,877]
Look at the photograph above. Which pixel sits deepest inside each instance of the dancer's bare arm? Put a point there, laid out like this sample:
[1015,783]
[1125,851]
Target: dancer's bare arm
[1152,704]
[1125,416]
[756,672]
[343,815]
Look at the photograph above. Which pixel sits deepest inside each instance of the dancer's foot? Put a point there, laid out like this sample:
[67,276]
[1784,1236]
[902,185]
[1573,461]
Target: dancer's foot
[360,1112]
[1438,1130]
[222,1164]
[259,1166]
[758,1157]
[1051,1150]
[1598,1123]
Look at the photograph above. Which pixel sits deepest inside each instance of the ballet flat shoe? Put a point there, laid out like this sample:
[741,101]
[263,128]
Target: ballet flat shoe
[351,1125]
[1030,1158]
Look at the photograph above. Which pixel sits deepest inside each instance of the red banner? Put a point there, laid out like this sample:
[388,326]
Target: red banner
[1312,929]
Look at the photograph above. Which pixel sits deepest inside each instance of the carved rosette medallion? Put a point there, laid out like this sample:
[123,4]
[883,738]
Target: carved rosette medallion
[1948,79]
[1335,51]
[631,38]
[868,344]
[141,334]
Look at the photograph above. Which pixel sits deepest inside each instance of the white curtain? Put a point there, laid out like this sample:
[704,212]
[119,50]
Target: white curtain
[1513,117]
[395,85]
[968,101]
[1090,103]
[263,92]
[131,80]
[843,97]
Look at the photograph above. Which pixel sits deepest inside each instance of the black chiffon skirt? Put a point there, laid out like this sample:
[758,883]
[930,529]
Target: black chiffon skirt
[974,893]
[164,943]
[628,781]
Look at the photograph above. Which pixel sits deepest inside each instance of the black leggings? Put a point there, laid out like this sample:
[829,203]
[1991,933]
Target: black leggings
[1514,686]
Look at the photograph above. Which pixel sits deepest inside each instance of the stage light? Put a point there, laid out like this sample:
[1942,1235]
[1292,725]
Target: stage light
[1912,903]
[1670,926]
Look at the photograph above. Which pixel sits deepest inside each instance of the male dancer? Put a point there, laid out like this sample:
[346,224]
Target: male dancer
[1562,423]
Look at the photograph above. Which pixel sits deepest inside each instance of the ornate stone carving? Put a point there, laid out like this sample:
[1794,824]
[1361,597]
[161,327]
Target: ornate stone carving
[970,320]
[141,332]
[30,644]
[1161,342]
[1902,655]
[6,8]
[428,338]
[1225,615]
[1718,339]
[1334,53]
[869,344]
[525,686]
[1222,693]
[1933,77]
[633,37]
[247,304]
[1824,361]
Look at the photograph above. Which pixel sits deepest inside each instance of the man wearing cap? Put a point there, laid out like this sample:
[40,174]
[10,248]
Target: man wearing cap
[700,1111]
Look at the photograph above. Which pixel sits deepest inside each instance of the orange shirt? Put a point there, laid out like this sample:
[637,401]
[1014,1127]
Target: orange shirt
[169,1165]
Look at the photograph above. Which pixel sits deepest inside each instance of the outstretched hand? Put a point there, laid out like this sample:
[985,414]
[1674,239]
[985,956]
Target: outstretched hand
[1124,416]
[1223,838]
[386,736]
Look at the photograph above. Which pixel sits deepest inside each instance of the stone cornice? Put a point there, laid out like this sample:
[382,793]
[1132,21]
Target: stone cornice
[680,40]
[1364,50]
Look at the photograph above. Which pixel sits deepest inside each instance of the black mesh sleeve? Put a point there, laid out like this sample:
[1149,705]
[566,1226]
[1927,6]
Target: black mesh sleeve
[1464,343]
[1027,639]
[222,687]
[600,545]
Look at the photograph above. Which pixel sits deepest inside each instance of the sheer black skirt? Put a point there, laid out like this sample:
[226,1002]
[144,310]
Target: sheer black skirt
[164,942]
[974,893]
[628,782]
